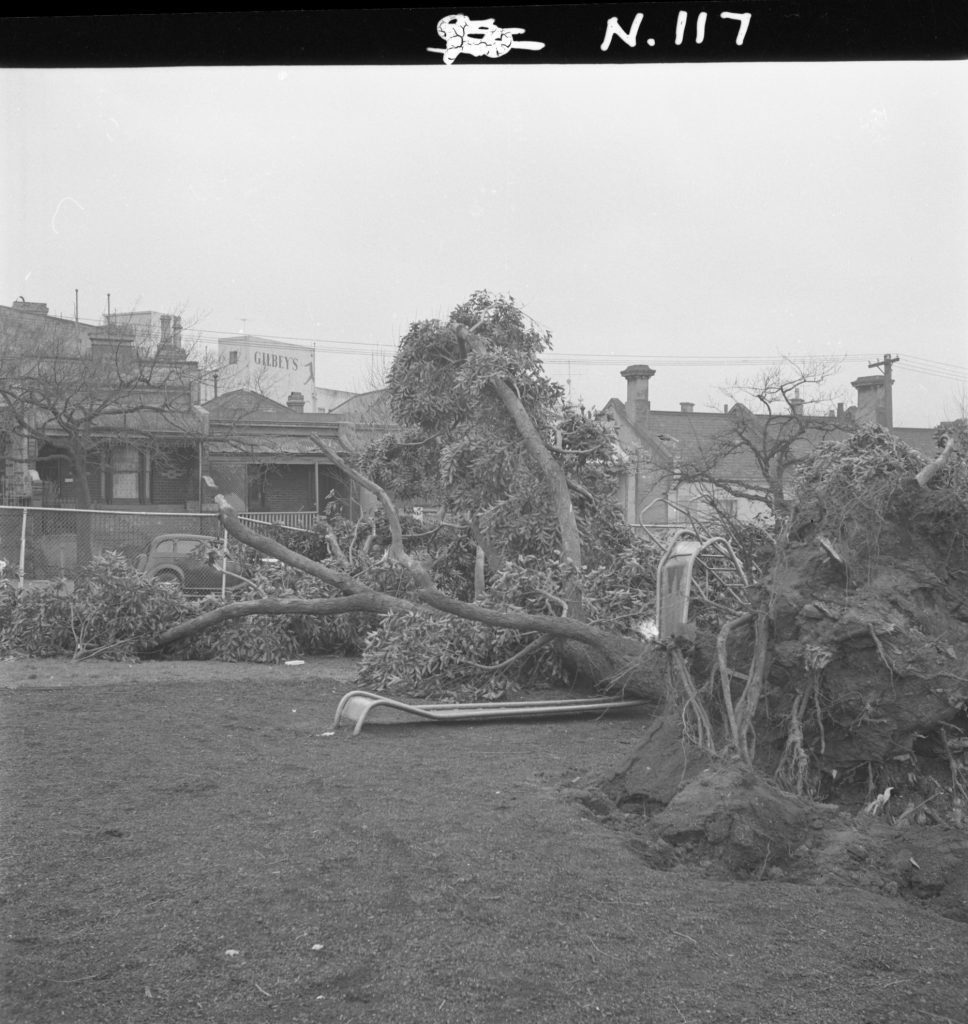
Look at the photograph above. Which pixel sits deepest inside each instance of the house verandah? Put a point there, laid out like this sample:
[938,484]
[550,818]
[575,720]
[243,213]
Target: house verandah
[262,456]
[259,454]
[122,474]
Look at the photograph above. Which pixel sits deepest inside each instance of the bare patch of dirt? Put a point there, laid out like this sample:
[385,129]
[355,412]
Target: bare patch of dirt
[187,841]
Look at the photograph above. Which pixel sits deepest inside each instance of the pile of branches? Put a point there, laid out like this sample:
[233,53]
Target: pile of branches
[872,488]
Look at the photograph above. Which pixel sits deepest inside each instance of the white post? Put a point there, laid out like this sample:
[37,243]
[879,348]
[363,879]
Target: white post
[23,549]
[225,554]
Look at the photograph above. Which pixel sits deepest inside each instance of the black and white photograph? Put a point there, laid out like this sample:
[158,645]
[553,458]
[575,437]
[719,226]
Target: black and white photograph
[484,515]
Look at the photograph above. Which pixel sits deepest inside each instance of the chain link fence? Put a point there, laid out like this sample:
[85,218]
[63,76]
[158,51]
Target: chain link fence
[51,543]
[42,544]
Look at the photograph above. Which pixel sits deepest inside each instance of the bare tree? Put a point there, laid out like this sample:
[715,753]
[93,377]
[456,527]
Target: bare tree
[73,392]
[768,432]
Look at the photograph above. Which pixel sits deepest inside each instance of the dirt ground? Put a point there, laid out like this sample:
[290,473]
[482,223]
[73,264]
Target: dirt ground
[190,842]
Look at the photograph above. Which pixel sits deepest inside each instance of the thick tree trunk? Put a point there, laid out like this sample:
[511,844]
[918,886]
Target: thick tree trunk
[85,521]
[551,471]
[625,667]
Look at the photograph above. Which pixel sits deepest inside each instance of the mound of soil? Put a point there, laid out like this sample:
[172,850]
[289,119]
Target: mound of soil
[681,808]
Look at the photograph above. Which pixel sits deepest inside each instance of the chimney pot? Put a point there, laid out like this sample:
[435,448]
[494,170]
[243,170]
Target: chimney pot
[296,401]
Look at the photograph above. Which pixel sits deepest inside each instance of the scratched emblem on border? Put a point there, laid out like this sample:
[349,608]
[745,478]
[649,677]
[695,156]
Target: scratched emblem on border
[478,38]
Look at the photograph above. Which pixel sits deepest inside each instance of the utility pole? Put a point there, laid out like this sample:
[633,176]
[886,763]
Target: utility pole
[885,367]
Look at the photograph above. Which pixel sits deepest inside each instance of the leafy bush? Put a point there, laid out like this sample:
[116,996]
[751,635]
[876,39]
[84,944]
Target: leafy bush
[617,596]
[117,611]
[315,634]
[38,622]
[425,655]
[113,611]
[8,600]
[264,639]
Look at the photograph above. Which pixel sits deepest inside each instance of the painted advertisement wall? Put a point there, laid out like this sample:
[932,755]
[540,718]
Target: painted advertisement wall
[273,368]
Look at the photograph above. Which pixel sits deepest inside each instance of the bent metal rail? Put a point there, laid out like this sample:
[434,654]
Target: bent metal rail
[357,704]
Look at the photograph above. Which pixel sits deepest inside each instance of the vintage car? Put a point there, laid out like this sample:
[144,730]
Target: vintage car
[191,561]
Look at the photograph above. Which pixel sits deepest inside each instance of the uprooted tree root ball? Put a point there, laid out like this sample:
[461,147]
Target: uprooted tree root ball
[860,700]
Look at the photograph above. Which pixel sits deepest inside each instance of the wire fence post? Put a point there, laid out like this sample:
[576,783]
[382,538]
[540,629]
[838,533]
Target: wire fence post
[22,564]
[225,555]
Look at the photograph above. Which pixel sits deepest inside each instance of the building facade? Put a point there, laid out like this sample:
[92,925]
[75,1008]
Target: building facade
[266,366]
[96,414]
[657,492]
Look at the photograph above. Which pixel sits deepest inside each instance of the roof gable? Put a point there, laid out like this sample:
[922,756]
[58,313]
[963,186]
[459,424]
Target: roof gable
[244,401]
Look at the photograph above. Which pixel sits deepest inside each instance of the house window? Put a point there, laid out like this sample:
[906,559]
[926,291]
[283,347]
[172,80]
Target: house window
[728,506]
[233,358]
[127,474]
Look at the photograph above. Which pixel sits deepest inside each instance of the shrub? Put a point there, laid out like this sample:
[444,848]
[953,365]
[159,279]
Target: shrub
[445,657]
[38,622]
[117,611]
[265,639]
[8,599]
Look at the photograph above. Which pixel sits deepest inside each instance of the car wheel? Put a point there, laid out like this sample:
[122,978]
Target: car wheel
[167,578]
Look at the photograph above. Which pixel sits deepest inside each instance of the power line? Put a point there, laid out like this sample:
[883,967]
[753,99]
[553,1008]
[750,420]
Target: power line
[911,363]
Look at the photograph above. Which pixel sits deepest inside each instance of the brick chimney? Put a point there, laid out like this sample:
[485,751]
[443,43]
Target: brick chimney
[296,401]
[687,407]
[637,403]
[873,401]
[796,406]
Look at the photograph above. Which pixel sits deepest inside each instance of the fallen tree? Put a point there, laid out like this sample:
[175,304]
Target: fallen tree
[503,449]
[424,598]
[848,661]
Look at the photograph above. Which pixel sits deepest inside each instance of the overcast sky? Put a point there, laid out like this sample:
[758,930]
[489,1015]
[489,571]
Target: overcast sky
[677,215]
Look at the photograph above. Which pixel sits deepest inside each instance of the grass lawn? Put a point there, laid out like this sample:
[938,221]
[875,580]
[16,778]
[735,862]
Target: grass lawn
[184,842]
